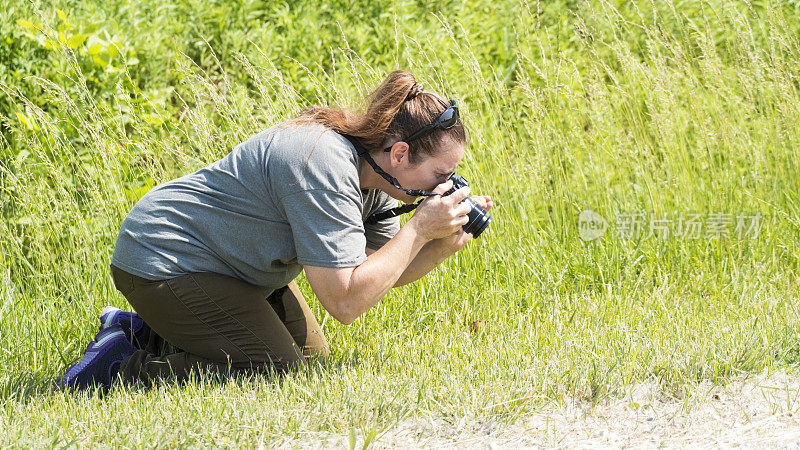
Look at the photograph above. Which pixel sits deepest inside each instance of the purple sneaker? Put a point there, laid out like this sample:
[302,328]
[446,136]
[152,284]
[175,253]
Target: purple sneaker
[100,362]
[136,330]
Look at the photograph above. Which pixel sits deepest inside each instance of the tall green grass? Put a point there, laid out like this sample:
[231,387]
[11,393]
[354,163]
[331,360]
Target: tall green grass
[618,108]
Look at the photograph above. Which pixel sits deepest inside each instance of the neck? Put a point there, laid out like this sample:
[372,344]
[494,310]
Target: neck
[368,178]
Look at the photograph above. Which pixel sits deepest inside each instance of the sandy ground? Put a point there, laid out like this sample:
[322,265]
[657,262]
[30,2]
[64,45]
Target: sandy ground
[758,412]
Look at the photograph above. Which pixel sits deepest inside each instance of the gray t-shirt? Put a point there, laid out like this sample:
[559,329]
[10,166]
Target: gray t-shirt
[288,196]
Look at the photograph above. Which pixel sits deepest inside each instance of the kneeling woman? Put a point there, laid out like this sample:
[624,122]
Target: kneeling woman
[208,260]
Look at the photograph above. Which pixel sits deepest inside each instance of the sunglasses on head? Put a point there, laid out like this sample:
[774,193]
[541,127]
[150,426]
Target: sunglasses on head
[446,120]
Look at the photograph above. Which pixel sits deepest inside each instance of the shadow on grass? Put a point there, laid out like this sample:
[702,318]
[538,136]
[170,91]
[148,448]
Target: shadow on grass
[314,367]
[23,387]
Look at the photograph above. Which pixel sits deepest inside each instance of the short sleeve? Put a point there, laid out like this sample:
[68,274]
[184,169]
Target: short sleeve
[378,234]
[327,228]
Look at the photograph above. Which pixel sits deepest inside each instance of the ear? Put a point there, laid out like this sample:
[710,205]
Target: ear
[398,153]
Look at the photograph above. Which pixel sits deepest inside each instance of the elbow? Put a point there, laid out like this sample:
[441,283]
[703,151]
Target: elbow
[334,288]
[346,320]
[343,312]
[345,316]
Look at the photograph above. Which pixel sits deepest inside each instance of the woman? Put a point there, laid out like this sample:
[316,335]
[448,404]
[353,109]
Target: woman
[208,260]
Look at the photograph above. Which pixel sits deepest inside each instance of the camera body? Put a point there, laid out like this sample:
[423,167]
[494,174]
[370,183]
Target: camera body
[478,219]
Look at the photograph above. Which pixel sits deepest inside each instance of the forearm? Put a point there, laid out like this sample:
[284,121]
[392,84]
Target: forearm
[431,255]
[370,281]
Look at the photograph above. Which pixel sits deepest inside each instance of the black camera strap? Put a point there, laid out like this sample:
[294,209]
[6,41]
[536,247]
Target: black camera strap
[389,213]
[394,212]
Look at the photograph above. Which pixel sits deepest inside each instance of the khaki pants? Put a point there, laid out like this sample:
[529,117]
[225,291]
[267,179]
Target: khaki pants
[208,321]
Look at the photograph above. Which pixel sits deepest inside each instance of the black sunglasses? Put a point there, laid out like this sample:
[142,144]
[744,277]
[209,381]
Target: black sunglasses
[446,120]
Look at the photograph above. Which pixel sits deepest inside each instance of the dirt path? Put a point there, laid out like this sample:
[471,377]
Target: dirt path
[762,411]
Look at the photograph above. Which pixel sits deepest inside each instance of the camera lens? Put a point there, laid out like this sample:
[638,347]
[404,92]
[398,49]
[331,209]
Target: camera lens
[478,220]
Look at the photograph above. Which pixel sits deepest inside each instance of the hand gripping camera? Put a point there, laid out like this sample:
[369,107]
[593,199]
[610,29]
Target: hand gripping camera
[478,219]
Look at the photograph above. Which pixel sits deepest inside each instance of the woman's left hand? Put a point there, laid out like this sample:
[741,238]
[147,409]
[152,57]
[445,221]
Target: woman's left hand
[484,201]
[451,244]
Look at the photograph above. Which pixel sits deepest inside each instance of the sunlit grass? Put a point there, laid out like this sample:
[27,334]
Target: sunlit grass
[657,113]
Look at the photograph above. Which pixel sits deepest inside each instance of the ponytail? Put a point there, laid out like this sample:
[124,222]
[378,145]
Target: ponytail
[395,109]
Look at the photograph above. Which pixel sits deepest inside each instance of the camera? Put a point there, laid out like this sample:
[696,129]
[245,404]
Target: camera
[478,219]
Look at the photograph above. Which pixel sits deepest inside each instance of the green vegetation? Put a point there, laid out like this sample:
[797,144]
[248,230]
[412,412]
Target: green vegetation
[621,107]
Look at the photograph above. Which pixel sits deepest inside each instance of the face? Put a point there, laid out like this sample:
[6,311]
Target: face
[426,174]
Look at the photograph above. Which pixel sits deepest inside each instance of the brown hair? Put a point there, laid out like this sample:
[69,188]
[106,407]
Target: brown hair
[395,109]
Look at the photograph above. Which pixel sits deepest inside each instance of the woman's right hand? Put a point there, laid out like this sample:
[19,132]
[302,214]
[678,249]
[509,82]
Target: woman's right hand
[442,216]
